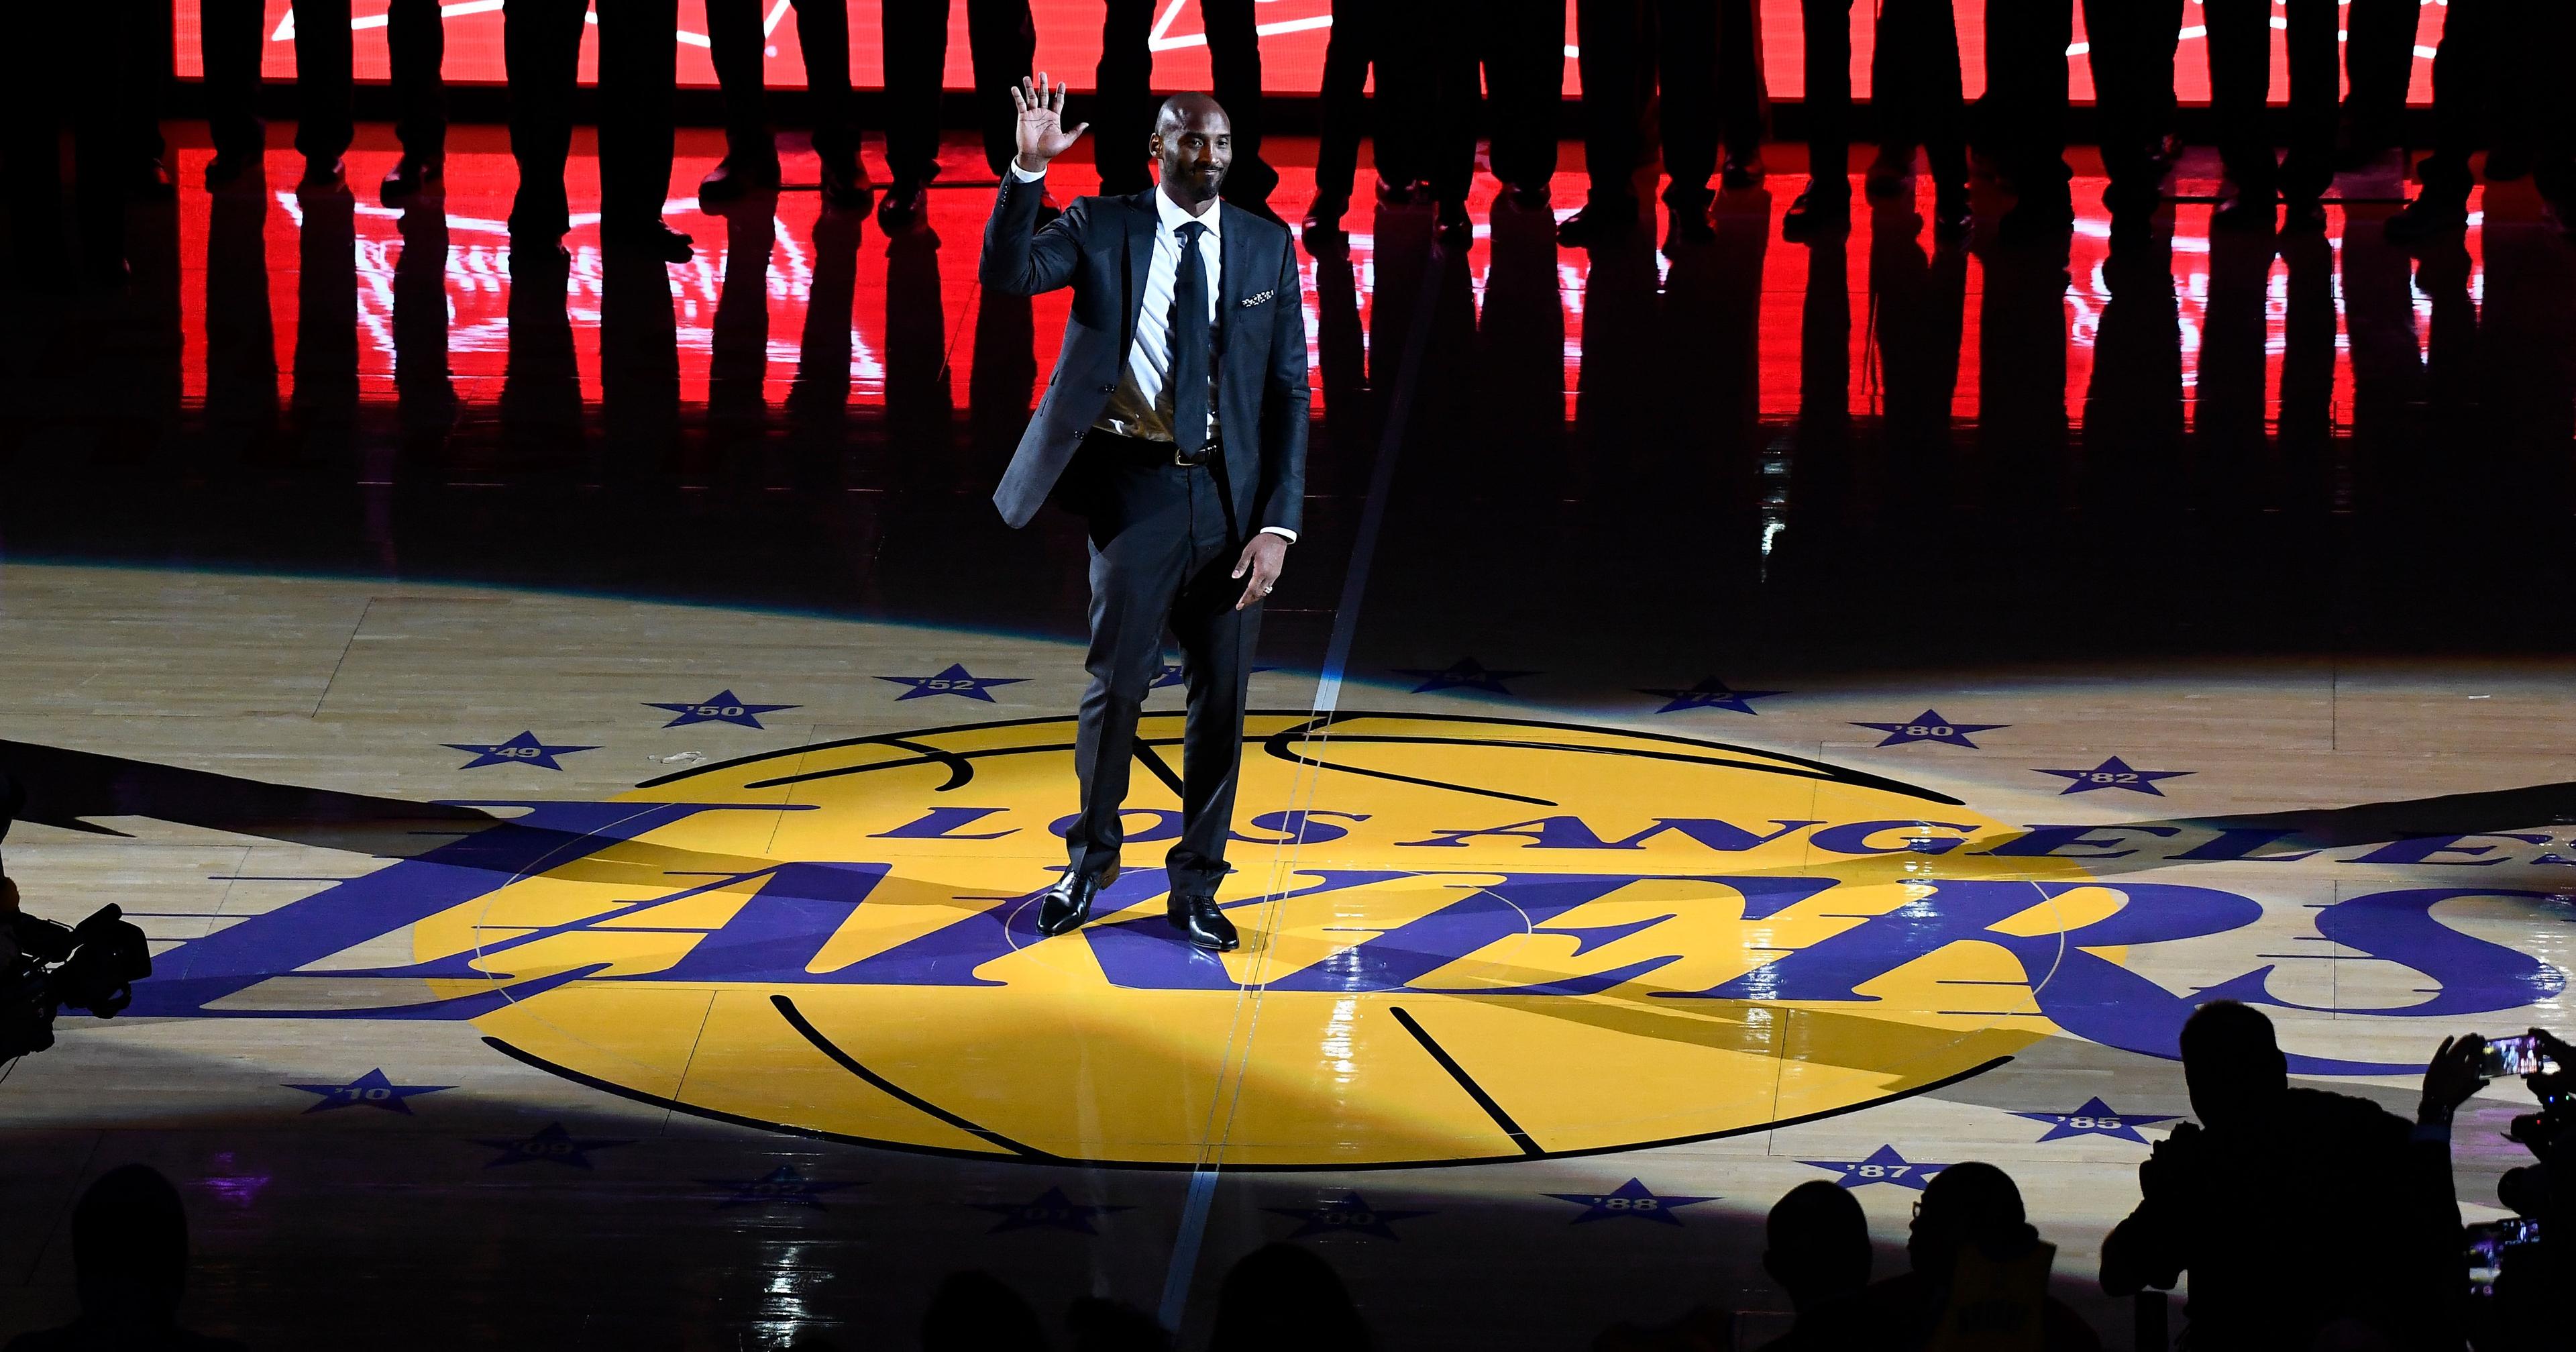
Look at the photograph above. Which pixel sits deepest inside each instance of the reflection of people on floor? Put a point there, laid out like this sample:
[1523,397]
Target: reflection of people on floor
[2133,411]
[638,71]
[1918,303]
[540,378]
[1914,89]
[422,380]
[917,396]
[736,39]
[1519,414]
[2132,55]
[1002,39]
[326,89]
[2303,421]
[1703,89]
[2021,374]
[639,364]
[2240,75]
[61,69]
[326,315]
[819,396]
[1126,110]
[1183,446]
[241,335]
[738,359]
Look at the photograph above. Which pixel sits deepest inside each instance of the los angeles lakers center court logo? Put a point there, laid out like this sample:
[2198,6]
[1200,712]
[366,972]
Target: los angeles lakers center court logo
[1470,939]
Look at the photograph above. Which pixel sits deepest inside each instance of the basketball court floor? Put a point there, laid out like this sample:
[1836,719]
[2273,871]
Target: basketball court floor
[1750,714]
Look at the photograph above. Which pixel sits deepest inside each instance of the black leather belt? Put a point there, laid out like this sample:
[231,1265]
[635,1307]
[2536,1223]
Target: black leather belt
[1146,448]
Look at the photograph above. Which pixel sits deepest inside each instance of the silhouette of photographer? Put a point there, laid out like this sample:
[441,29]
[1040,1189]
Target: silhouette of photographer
[1979,1278]
[130,1255]
[2357,1242]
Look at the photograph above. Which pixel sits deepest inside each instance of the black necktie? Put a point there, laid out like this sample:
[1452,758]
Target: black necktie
[1189,380]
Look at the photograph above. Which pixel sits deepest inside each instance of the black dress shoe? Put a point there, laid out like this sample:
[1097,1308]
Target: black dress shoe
[1324,215]
[2302,213]
[1200,922]
[1597,224]
[153,182]
[1741,171]
[2434,214]
[1688,223]
[1951,215]
[654,239]
[903,204]
[1068,903]
[410,174]
[323,173]
[1817,213]
[845,183]
[2244,211]
[228,166]
[1454,227]
[738,177]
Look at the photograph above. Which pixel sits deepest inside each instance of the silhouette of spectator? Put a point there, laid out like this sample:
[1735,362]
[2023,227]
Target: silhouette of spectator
[1281,1298]
[1107,1326]
[1819,1254]
[130,1258]
[2356,1222]
[1980,1275]
[977,1312]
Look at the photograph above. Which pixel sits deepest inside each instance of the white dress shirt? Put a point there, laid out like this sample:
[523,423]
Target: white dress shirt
[1141,405]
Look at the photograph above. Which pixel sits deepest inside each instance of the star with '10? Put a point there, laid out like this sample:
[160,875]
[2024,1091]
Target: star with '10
[1631,1199]
[1930,726]
[721,707]
[1884,1165]
[2096,1118]
[1347,1215]
[523,749]
[371,1090]
[956,680]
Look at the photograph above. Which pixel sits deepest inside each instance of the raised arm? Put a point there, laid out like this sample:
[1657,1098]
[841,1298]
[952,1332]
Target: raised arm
[1017,260]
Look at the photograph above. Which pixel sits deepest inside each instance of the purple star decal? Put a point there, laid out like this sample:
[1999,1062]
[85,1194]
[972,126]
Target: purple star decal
[1464,674]
[954,681]
[1632,1198]
[1930,726]
[1884,1165]
[1710,693]
[720,708]
[2114,774]
[554,1145]
[2096,1118]
[523,749]
[782,1186]
[1051,1211]
[1344,1216]
[370,1090]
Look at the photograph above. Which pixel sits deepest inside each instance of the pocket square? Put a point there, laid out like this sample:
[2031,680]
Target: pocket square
[1250,301]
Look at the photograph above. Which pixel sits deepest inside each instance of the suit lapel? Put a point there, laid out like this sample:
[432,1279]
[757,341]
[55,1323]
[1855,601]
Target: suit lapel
[1141,223]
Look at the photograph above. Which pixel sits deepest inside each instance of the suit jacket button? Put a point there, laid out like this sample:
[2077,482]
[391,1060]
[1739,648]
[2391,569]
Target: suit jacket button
[1109,389]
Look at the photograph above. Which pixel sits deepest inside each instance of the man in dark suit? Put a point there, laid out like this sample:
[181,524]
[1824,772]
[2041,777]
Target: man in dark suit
[1175,423]
[736,42]
[639,58]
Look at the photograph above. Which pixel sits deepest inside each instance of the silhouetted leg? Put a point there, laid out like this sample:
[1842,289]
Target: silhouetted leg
[734,44]
[2121,94]
[146,72]
[1449,40]
[241,334]
[1686,63]
[1234,56]
[422,380]
[2308,169]
[638,73]
[2379,58]
[326,316]
[916,52]
[1826,25]
[1525,74]
[228,42]
[1124,119]
[324,85]
[1923,38]
[1743,96]
[2026,43]
[1005,41]
[416,38]
[2240,79]
[823,39]
[34,103]
[1347,55]
[1607,32]
[541,46]
[738,356]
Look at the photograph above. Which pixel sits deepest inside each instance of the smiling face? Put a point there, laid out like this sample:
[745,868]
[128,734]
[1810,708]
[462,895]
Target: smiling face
[1193,145]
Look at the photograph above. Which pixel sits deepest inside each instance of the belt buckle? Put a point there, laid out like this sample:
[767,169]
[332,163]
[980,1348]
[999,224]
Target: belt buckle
[1179,458]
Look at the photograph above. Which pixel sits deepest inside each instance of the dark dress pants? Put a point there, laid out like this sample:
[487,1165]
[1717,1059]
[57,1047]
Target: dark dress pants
[2025,101]
[415,39]
[1162,547]
[1913,85]
[1524,50]
[2379,62]
[229,38]
[67,66]
[1670,49]
[1003,40]
[1124,120]
[1520,47]
[638,69]
[735,41]
[2240,82]
[1356,43]
[2132,56]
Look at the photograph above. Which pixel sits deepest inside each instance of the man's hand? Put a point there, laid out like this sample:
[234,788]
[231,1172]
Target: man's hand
[1042,136]
[2450,1077]
[1262,558]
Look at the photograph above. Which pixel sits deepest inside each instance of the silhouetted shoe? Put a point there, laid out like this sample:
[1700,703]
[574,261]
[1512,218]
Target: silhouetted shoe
[1742,171]
[1324,216]
[1531,196]
[738,177]
[903,204]
[1200,922]
[1394,194]
[323,173]
[2302,213]
[409,176]
[1687,224]
[1596,225]
[1068,903]
[1889,176]
[2432,215]
[846,186]
[2244,211]
[153,182]
[1952,217]
[1454,228]
[1817,213]
[228,166]
[655,239]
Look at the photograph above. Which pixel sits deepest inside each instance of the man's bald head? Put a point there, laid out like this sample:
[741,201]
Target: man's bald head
[1193,146]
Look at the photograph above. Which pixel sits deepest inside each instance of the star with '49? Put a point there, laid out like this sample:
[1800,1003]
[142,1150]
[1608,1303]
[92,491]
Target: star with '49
[523,749]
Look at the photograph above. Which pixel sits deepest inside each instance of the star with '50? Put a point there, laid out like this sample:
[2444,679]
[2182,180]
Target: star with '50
[720,707]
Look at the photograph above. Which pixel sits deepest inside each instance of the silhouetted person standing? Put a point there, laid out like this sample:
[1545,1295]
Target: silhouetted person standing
[2473,71]
[2240,84]
[1706,84]
[1818,1251]
[1363,38]
[1127,108]
[229,37]
[2132,55]
[976,1312]
[1282,1298]
[2025,106]
[325,85]
[737,41]
[2379,1230]
[1175,424]
[1978,1269]
[1915,90]
[1003,39]
[62,69]
[130,1262]
[638,71]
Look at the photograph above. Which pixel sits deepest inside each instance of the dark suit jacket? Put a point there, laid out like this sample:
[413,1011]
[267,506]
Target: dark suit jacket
[1101,247]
